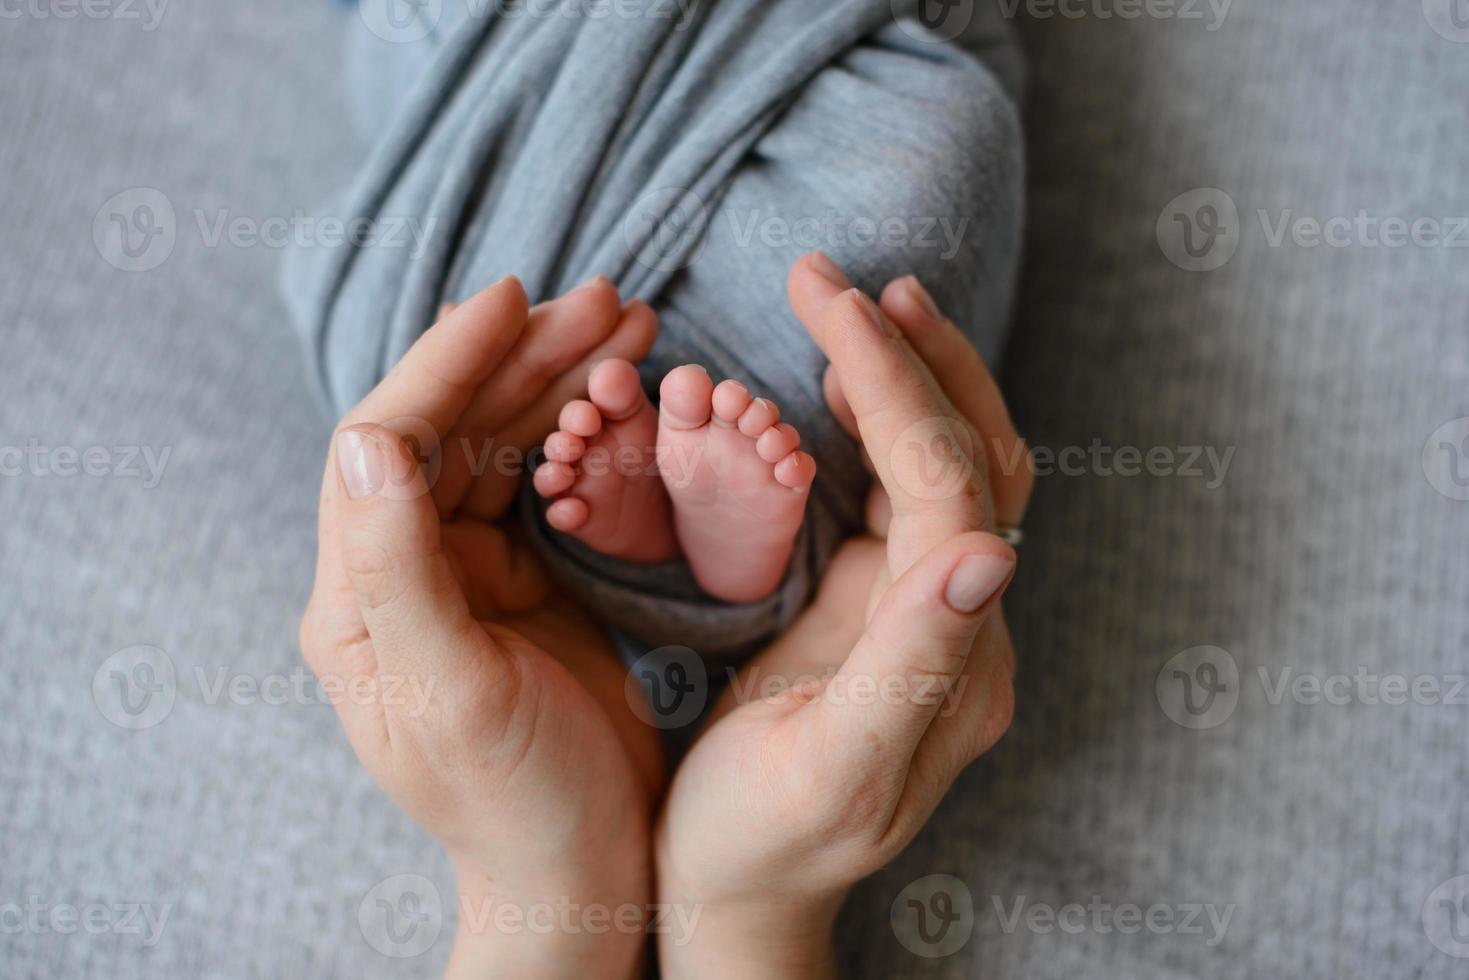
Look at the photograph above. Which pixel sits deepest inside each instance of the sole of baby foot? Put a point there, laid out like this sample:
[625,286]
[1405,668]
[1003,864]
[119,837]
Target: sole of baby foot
[601,471]
[737,480]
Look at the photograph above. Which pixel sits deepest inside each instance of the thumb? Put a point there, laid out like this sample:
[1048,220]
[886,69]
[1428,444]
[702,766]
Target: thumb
[916,646]
[411,603]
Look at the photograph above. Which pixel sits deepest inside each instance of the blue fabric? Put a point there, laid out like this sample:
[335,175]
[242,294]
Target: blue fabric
[691,157]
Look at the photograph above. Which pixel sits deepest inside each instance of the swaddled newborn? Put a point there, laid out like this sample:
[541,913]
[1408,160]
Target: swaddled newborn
[690,153]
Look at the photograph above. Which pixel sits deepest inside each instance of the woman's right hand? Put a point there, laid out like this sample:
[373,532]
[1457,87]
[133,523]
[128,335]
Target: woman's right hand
[854,724]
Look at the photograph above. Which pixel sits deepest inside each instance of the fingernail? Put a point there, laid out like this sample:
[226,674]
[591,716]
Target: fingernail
[360,461]
[829,270]
[596,280]
[975,580]
[922,297]
[870,311]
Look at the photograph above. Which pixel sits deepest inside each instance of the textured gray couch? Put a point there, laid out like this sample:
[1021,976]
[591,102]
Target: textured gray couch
[1332,834]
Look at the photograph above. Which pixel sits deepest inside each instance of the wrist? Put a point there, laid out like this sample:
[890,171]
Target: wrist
[763,938]
[570,924]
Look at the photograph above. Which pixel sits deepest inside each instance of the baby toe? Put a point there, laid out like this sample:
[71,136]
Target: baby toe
[686,397]
[568,514]
[565,447]
[581,418]
[552,479]
[797,471]
[730,401]
[777,442]
[761,415]
[616,389]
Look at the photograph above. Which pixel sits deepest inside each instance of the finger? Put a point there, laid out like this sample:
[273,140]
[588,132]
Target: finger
[412,606]
[836,401]
[965,378]
[915,647]
[498,575]
[437,378]
[557,335]
[494,488]
[926,455]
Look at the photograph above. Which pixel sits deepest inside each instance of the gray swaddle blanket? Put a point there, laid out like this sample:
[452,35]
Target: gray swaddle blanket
[689,152]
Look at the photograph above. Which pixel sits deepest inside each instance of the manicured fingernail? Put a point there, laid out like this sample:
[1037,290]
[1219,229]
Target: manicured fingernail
[829,270]
[975,580]
[360,461]
[922,297]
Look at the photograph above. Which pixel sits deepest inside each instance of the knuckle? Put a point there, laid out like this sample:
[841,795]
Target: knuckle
[374,573]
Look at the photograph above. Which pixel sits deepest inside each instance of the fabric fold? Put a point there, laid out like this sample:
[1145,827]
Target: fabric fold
[690,158]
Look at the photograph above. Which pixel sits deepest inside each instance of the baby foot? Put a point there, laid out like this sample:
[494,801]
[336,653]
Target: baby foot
[601,470]
[736,480]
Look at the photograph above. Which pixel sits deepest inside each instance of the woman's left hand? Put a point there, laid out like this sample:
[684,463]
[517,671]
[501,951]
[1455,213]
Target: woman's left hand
[480,701]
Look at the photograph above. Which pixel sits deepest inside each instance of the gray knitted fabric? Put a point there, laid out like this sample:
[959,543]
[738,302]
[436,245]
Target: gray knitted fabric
[691,155]
[1325,548]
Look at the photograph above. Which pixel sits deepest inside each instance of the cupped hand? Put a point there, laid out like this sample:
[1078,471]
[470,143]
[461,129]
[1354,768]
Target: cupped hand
[515,748]
[833,748]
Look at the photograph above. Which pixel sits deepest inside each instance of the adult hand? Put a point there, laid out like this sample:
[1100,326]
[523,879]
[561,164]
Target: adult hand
[466,682]
[834,747]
